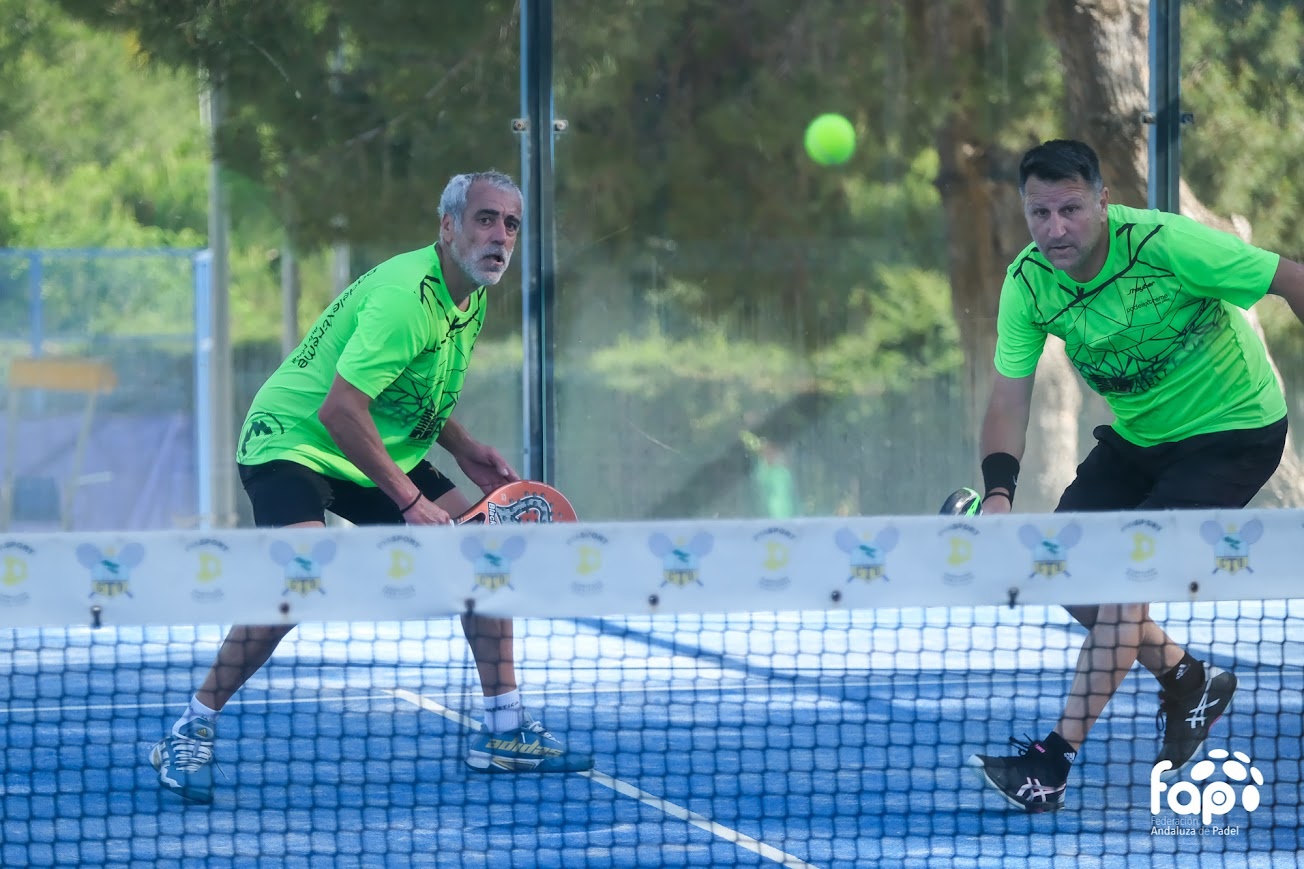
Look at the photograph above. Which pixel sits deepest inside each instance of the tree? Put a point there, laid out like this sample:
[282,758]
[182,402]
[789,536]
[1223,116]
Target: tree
[973,57]
[349,113]
[692,227]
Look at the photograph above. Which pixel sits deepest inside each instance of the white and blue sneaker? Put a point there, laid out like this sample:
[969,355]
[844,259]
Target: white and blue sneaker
[184,760]
[529,748]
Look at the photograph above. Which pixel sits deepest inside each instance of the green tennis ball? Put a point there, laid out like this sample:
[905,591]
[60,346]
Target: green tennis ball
[830,139]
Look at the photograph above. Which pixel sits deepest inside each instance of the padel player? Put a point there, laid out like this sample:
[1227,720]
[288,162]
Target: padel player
[1148,306]
[345,423]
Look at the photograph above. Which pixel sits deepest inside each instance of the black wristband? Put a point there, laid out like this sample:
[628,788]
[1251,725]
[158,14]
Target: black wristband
[1000,471]
[1005,495]
[413,504]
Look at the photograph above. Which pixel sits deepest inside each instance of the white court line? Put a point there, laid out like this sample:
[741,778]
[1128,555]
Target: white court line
[626,789]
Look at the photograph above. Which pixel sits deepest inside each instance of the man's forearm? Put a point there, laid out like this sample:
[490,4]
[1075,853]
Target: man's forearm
[1005,425]
[360,443]
[453,437]
[1001,434]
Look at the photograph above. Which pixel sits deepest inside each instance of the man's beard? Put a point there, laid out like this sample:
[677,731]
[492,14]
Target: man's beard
[471,265]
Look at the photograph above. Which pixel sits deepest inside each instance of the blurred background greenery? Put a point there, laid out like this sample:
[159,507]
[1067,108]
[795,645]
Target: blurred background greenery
[740,331]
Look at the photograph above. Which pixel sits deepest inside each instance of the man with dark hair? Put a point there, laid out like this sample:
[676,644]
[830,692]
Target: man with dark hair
[1147,304]
[345,423]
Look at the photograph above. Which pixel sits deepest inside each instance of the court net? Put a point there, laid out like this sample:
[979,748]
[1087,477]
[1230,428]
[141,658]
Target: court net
[805,693]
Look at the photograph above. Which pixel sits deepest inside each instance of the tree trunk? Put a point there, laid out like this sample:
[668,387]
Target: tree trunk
[955,42]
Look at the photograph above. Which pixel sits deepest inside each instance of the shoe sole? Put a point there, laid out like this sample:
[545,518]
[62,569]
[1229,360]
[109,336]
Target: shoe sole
[1176,772]
[981,769]
[189,797]
[486,765]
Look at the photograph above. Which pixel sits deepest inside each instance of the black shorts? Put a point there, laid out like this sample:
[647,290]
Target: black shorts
[286,493]
[1218,470]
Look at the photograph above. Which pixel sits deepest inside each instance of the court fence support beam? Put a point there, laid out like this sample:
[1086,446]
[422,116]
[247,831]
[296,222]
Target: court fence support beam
[1166,116]
[538,241]
[220,396]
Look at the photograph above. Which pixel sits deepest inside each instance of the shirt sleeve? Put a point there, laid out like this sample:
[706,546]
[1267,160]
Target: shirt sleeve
[1019,343]
[390,332]
[1218,265]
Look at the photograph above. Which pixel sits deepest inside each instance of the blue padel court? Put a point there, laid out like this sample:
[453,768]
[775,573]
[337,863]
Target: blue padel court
[801,740]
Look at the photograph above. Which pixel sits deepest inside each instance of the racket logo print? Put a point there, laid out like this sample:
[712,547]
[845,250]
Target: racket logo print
[1213,798]
[492,564]
[14,572]
[110,569]
[303,572]
[1050,550]
[528,508]
[681,560]
[1231,548]
[868,557]
[523,501]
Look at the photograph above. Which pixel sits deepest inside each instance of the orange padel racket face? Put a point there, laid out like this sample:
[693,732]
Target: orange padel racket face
[523,501]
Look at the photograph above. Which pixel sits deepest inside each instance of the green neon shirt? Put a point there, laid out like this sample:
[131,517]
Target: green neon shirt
[396,335]
[1155,333]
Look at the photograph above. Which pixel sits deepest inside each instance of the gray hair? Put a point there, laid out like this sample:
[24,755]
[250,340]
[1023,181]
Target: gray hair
[453,200]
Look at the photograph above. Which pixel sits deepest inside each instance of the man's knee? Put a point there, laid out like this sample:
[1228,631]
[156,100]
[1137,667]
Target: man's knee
[1120,624]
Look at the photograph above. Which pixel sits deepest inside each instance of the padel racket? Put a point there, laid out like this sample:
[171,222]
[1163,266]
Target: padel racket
[522,501]
[962,502]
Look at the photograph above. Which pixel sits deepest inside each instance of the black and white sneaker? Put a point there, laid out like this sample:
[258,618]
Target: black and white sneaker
[1185,719]
[1033,780]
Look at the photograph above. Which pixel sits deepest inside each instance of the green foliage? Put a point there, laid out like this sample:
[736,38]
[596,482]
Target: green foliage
[1243,78]
[88,158]
[353,113]
[900,333]
[101,149]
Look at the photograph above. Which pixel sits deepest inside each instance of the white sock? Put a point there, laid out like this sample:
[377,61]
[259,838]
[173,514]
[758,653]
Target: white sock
[193,711]
[504,712]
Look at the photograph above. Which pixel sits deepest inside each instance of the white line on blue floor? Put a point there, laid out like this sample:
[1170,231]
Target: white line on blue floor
[624,788]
